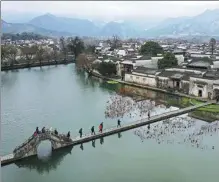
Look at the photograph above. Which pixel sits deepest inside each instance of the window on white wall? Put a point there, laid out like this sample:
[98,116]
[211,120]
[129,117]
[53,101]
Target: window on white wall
[137,77]
[144,79]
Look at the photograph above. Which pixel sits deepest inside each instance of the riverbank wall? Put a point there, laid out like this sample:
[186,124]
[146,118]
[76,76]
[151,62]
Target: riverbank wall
[148,87]
[35,64]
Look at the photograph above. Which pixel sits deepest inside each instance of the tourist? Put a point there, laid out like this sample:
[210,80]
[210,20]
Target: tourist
[118,123]
[37,130]
[92,130]
[101,128]
[149,116]
[43,130]
[56,132]
[35,133]
[68,134]
[80,132]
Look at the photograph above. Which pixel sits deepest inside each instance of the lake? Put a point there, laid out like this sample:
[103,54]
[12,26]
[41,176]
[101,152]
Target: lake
[62,98]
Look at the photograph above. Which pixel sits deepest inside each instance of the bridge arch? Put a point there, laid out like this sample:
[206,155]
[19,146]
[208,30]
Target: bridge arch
[29,147]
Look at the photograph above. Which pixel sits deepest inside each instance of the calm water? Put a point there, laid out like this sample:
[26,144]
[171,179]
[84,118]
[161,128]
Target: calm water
[61,98]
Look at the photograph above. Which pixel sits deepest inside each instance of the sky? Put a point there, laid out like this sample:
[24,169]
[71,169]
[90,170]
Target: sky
[104,10]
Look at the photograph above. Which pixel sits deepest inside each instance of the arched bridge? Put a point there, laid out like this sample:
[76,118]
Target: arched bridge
[29,148]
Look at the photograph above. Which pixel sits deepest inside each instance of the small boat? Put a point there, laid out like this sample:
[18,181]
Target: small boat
[112,82]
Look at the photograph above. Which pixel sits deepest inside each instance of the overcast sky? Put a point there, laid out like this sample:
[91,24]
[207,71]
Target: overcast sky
[108,10]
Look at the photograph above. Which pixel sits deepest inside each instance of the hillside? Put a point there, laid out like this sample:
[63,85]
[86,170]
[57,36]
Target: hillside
[24,27]
[204,24]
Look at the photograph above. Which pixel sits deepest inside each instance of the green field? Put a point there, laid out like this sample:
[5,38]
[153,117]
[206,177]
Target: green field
[214,108]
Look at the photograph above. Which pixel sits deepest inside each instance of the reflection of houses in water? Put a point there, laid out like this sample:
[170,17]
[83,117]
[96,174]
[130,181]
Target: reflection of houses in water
[33,163]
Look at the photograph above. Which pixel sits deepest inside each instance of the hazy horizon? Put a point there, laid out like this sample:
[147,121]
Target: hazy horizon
[15,11]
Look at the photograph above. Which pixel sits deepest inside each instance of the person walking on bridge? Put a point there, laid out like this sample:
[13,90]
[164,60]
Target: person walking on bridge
[56,132]
[149,115]
[43,130]
[92,130]
[68,134]
[80,132]
[37,130]
[118,123]
[101,127]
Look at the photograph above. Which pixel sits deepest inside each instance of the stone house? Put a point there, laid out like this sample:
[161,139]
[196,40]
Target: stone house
[143,76]
[206,86]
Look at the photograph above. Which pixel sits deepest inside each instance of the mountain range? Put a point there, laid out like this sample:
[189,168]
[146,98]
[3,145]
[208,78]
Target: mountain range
[204,24]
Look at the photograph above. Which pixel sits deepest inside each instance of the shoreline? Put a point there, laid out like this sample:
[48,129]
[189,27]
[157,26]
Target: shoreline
[35,64]
[150,88]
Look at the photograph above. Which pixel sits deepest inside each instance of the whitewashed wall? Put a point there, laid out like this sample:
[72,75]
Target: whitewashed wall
[149,80]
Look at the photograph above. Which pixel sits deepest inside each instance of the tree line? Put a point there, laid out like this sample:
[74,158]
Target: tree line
[23,36]
[29,54]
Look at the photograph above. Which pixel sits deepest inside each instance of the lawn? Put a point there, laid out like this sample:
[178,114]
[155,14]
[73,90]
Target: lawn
[214,108]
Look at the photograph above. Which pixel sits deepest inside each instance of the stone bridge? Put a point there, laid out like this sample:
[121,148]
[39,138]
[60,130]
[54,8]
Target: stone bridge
[29,147]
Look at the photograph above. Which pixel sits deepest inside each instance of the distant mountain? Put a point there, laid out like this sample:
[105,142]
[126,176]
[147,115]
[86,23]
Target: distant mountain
[206,23]
[80,27]
[24,27]
[122,29]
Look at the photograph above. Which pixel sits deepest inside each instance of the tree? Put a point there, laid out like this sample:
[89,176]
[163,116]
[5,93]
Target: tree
[107,69]
[4,53]
[54,53]
[115,42]
[120,106]
[85,62]
[63,48]
[151,48]
[76,46]
[169,60]
[29,52]
[90,49]
[40,54]
[12,54]
[212,45]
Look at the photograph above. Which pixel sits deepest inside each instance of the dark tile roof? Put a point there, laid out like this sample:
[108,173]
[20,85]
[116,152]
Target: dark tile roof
[213,75]
[145,70]
[177,75]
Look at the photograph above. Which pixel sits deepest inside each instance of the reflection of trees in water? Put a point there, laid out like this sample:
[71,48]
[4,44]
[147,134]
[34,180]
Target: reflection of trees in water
[33,163]
[120,106]
[8,78]
[179,130]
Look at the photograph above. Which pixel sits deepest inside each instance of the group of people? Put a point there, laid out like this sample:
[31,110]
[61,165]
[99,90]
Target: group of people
[37,131]
[100,128]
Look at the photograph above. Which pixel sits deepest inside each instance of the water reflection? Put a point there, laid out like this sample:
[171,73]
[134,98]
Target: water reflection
[119,135]
[93,144]
[81,147]
[101,140]
[180,130]
[43,166]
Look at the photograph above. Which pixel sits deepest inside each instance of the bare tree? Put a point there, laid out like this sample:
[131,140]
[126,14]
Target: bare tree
[85,62]
[28,53]
[4,53]
[120,106]
[40,54]
[55,53]
[12,54]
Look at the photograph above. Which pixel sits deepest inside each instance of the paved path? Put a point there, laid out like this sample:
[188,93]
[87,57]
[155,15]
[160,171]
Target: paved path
[114,130]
